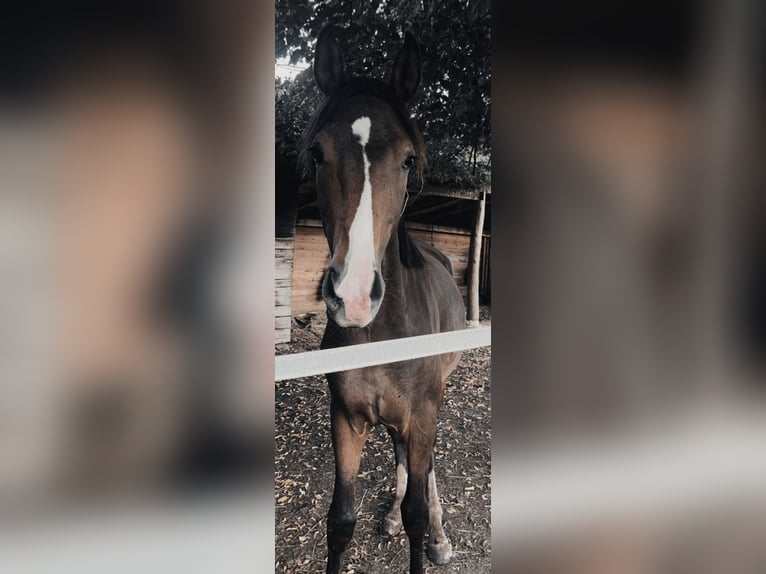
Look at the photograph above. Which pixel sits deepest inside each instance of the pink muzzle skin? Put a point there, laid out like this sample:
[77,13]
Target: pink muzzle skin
[355,291]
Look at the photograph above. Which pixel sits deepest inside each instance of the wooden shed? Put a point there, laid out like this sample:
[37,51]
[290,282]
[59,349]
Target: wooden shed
[442,218]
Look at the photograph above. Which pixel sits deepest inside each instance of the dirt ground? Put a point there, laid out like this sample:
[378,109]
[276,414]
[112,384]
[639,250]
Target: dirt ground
[304,472]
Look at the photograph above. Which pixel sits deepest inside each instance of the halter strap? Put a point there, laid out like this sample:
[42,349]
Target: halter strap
[407,195]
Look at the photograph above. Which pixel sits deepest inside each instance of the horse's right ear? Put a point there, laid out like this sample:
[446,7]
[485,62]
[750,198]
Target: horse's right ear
[405,77]
[329,64]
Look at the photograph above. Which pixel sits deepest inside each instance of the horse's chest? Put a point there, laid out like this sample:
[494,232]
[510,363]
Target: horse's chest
[386,395]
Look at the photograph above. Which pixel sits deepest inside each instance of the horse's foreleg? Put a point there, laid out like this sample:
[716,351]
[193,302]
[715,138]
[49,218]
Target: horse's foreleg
[341,519]
[392,523]
[439,546]
[415,503]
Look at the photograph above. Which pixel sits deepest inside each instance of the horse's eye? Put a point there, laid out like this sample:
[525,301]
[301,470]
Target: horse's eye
[316,153]
[409,162]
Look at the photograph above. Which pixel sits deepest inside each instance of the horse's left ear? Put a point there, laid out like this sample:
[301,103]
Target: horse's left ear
[405,77]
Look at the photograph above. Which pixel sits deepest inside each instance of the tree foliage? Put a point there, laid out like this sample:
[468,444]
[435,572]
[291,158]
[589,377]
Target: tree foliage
[453,104]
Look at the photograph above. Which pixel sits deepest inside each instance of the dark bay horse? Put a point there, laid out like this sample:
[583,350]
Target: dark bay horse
[380,284]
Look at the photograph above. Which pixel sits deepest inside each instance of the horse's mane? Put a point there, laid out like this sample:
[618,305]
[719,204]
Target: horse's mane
[356,87]
[409,253]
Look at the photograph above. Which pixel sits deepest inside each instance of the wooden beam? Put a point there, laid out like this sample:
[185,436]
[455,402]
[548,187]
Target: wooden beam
[433,190]
[432,208]
[454,192]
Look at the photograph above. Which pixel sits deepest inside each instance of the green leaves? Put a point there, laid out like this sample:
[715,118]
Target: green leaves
[453,105]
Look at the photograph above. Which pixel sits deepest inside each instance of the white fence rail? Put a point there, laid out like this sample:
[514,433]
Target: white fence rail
[694,466]
[378,353]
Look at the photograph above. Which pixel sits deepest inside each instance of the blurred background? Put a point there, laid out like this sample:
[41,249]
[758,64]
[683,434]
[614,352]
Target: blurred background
[629,258]
[136,285]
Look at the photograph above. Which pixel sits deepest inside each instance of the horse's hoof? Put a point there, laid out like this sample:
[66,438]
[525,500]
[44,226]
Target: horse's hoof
[392,525]
[440,553]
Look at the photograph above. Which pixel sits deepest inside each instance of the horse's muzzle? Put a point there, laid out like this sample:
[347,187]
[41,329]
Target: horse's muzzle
[352,305]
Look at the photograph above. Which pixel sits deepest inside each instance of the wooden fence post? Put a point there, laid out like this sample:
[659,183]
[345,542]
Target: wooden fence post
[475,263]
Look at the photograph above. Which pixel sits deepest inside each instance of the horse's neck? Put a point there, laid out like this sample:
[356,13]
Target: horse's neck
[401,286]
[392,268]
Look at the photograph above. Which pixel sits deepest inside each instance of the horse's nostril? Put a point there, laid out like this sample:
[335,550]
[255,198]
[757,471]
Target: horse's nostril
[328,288]
[376,294]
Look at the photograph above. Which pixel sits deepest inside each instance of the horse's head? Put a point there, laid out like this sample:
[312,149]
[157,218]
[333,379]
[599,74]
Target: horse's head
[362,144]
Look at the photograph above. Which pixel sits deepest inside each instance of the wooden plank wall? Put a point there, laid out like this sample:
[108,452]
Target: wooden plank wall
[455,244]
[311,256]
[283,261]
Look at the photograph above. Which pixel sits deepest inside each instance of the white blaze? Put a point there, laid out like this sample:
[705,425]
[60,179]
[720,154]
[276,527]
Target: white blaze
[356,281]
